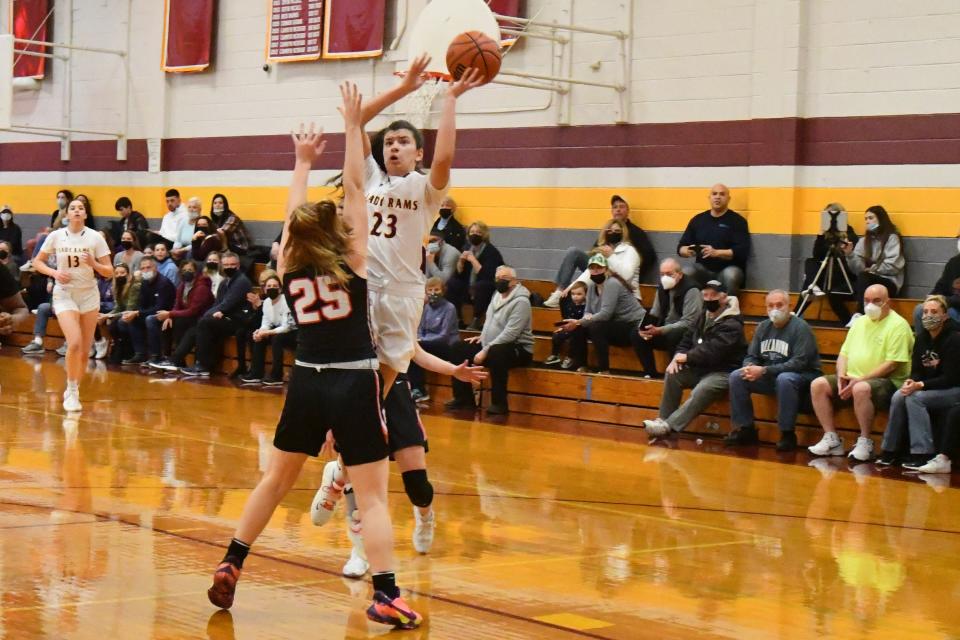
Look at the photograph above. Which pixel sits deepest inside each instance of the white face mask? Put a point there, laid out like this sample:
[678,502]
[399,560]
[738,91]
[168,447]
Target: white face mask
[218,209]
[6,217]
[64,221]
[668,282]
[62,203]
[777,315]
[873,311]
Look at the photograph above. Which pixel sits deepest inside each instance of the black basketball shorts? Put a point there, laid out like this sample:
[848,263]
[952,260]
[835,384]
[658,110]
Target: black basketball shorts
[404,427]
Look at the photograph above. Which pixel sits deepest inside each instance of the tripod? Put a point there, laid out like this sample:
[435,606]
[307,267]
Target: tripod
[824,280]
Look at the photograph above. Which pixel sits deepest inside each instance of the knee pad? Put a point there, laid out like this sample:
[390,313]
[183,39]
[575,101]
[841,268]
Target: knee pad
[418,488]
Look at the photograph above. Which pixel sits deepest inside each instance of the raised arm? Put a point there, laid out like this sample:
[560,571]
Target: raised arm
[354,200]
[447,129]
[308,146]
[411,82]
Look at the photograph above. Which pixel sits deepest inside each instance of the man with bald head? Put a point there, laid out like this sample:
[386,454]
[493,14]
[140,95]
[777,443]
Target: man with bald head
[873,363]
[675,310]
[719,240]
[782,361]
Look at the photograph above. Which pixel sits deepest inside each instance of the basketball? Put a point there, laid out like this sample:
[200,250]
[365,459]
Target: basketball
[474,49]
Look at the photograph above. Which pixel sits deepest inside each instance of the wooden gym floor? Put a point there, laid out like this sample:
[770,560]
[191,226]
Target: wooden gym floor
[110,526]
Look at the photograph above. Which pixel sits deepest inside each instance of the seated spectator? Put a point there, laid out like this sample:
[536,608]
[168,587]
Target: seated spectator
[877,257]
[705,357]
[622,258]
[247,321]
[11,233]
[947,286]
[811,266]
[194,296]
[129,254]
[91,222]
[156,293]
[43,314]
[204,240]
[130,220]
[211,269]
[165,264]
[474,279]
[172,222]
[949,446]
[126,296]
[613,314]
[188,230]
[447,226]
[782,361]
[572,307]
[13,310]
[219,210]
[275,251]
[107,305]
[235,237]
[933,385]
[506,342]
[57,219]
[719,239]
[676,309]
[441,258]
[436,334]
[7,261]
[874,361]
[278,329]
[217,322]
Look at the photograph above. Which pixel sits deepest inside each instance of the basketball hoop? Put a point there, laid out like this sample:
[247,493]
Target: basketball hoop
[418,105]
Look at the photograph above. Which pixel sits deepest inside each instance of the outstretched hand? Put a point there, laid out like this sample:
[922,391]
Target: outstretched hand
[416,74]
[464,372]
[308,144]
[471,79]
[350,109]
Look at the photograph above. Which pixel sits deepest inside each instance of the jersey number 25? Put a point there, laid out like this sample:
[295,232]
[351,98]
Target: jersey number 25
[335,301]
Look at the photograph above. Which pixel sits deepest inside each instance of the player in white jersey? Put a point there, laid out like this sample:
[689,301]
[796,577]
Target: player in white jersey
[80,252]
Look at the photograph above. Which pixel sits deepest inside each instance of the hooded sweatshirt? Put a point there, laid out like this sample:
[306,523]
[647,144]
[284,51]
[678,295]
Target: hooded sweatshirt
[935,359]
[716,344]
[509,320]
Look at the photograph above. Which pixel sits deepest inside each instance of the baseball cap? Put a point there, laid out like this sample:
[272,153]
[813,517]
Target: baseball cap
[616,198]
[716,285]
[597,259]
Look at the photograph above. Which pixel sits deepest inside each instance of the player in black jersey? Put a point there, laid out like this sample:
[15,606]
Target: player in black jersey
[335,383]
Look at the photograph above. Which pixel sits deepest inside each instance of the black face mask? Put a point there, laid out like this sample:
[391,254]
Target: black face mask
[213,266]
[446,213]
[711,305]
[203,230]
[4,254]
[502,286]
[475,239]
[599,278]
[273,294]
[229,271]
[126,244]
[614,238]
[121,280]
[187,276]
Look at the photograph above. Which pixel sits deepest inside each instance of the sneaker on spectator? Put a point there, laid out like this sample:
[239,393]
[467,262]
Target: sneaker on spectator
[272,382]
[100,348]
[567,364]
[33,349]
[138,358]
[552,360]
[455,405]
[419,395]
[817,291]
[195,370]
[27,267]
[165,365]
[788,441]
[239,372]
[939,464]
[914,461]
[830,445]
[553,302]
[152,362]
[853,319]
[887,459]
[742,436]
[251,378]
[475,325]
[656,428]
[863,450]
[62,350]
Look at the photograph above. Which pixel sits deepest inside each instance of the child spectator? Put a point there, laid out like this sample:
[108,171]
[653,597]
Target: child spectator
[571,308]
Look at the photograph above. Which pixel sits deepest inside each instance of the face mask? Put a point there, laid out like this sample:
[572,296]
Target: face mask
[433,247]
[614,238]
[229,271]
[64,221]
[475,239]
[711,305]
[777,315]
[6,217]
[126,244]
[213,266]
[147,275]
[218,210]
[446,213]
[502,286]
[121,280]
[202,230]
[61,203]
[4,254]
[433,298]
[668,282]
[187,276]
[931,322]
[273,293]
[873,311]
[873,226]
[598,277]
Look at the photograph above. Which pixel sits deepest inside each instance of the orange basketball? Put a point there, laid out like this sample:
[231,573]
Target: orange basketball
[474,49]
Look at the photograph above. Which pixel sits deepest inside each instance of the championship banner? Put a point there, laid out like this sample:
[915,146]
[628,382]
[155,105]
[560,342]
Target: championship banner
[295,30]
[187,35]
[354,28]
[507,8]
[28,21]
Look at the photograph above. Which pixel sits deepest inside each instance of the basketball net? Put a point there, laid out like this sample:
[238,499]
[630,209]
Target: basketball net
[418,105]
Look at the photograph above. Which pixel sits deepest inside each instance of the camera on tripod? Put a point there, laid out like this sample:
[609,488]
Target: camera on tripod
[833,225]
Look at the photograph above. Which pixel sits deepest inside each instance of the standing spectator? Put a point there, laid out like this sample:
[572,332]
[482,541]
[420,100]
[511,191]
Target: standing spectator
[187,230]
[782,361]
[129,254]
[6,260]
[474,280]
[157,293]
[573,307]
[719,239]
[217,323]
[436,334]
[194,296]
[933,385]
[676,309]
[506,342]
[947,286]
[132,221]
[441,258]
[165,264]
[447,226]
[703,362]
[612,316]
[278,329]
[873,362]
[877,258]
[11,233]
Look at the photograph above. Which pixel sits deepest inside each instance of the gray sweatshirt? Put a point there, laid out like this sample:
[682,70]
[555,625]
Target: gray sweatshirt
[509,320]
[614,303]
[790,348]
[887,261]
[675,323]
[444,264]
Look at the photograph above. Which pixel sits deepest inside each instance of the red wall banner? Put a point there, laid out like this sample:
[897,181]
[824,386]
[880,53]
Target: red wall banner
[28,21]
[295,30]
[187,35]
[354,28]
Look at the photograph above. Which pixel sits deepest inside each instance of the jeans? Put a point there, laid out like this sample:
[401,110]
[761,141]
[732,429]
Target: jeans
[918,315]
[789,387]
[154,336]
[500,359]
[44,313]
[574,263]
[278,342]
[137,330]
[732,277]
[707,388]
[914,410]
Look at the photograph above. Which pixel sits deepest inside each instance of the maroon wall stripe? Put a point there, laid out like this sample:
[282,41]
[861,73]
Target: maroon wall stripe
[909,139]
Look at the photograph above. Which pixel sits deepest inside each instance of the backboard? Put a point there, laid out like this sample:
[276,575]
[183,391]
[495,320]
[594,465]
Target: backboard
[443,20]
